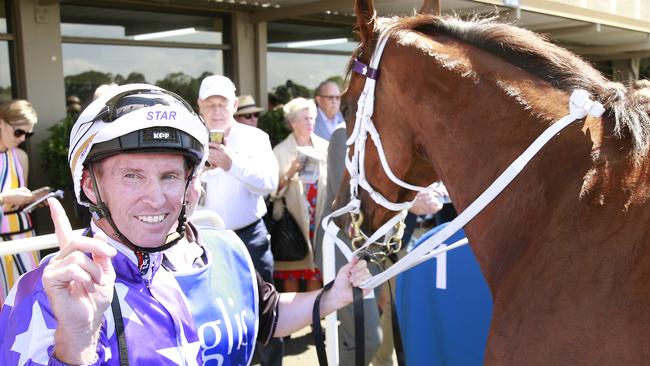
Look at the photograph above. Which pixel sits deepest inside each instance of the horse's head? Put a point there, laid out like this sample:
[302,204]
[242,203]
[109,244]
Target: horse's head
[401,148]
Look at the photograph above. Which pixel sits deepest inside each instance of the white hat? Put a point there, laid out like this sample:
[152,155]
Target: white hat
[163,122]
[217,85]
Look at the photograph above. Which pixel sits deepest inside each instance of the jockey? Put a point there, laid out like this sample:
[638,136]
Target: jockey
[145,286]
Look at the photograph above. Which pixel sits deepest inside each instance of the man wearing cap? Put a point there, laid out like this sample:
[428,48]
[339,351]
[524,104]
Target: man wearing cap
[242,170]
[328,100]
[248,112]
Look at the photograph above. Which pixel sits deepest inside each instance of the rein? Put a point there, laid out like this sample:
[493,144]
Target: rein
[580,105]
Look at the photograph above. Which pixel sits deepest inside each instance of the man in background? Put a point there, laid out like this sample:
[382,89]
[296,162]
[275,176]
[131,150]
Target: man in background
[242,170]
[248,112]
[328,101]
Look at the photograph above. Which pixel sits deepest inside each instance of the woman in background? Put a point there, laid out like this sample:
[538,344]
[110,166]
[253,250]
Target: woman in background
[302,184]
[17,120]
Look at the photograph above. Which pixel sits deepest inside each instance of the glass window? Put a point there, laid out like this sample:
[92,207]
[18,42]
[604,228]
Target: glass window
[104,45]
[6,92]
[3,16]
[303,69]
[86,66]
[306,54]
[5,72]
[644,68]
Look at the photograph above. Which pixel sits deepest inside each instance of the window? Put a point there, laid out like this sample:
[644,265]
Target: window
[306,54]
[644,68]
[6,42]
[171,50]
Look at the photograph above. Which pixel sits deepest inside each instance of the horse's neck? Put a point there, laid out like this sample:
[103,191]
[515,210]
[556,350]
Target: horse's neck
[579,190]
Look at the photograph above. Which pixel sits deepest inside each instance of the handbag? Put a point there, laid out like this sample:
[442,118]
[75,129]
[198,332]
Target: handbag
[287,241]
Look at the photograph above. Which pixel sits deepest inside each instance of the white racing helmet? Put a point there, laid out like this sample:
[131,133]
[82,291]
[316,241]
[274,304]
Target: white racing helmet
[135,118]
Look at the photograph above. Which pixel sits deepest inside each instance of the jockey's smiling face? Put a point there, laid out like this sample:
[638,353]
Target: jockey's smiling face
[144,193]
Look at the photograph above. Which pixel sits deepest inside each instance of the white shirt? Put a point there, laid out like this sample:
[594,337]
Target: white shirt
[238,194]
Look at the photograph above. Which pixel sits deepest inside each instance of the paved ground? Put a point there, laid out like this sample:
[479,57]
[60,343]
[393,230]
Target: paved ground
[299,350]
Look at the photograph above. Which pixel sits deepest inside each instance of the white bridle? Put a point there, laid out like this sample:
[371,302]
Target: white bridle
[580,105]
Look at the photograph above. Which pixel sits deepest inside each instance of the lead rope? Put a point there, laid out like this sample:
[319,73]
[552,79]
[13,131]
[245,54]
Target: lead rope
[359,325]
[359,328]
[119,329]
[319,340]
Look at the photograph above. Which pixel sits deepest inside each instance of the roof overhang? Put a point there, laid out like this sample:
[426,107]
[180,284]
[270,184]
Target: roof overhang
[597,34]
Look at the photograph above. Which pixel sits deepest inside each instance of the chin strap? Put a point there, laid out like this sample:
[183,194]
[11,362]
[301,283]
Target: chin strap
[100,211]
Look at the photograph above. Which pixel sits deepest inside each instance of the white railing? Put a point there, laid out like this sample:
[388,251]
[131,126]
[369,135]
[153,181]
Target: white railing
[30,244]
[200,218]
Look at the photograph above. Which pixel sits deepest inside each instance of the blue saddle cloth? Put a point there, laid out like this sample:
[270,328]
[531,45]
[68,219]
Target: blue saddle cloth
[444,308]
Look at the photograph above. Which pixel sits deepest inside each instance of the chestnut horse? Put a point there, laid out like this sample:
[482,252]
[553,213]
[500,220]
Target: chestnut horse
[565,247]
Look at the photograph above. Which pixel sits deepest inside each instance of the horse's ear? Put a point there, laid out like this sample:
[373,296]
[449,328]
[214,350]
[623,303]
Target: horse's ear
[430,7]
[365,11]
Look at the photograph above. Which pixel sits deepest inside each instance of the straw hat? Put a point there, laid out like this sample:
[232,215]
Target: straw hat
[247,105]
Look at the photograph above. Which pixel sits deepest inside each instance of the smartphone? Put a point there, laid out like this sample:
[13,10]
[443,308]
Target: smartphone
[41,191]
[216,136]
[29,208]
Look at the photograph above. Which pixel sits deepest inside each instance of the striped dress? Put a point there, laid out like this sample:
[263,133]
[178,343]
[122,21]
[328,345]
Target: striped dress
[14,225]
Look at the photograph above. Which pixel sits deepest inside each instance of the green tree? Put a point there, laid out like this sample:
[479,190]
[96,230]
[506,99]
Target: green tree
[134,77]
[54,153]
[84,84]
[183,85]
[290,90]
[273,123]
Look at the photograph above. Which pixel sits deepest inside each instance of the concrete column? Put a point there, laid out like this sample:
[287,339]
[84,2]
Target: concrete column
[244,53]
[40,76]
[626,70]
[261,65]
[249,52]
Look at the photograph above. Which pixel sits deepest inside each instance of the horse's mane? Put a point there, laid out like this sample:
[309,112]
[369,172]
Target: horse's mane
[535,54]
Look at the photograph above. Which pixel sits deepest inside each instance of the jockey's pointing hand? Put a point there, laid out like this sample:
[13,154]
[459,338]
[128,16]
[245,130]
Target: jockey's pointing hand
[79,288]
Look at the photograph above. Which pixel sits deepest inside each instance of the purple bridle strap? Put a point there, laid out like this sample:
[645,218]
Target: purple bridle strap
[363,69]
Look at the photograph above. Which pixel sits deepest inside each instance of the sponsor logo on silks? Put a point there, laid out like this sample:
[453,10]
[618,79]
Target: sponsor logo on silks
[161,115]
[164,135]
[211,334]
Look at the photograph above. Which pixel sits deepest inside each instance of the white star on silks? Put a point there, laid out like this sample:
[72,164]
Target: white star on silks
[187,353]
[33,343]
[127,310]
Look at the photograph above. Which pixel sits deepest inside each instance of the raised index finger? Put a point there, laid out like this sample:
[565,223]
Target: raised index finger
[61,223]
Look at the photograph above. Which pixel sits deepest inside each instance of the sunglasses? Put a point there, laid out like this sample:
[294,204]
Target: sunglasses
[19,132]
[250,115]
